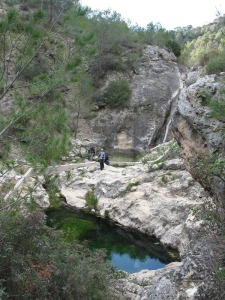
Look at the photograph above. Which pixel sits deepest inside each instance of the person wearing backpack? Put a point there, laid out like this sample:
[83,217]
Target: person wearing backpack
[101,158]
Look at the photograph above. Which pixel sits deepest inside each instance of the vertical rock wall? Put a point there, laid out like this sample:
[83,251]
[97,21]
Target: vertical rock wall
[155,85]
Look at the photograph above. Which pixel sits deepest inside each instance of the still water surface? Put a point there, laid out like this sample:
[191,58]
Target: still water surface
[127,251]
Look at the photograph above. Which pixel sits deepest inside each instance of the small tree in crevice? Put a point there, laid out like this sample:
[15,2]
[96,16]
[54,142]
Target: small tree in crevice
[91,200]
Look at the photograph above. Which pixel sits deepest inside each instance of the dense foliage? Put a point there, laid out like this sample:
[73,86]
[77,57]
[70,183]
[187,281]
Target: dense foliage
[117,94]
[203,46]
[37,263]
[91,200]
[32,83]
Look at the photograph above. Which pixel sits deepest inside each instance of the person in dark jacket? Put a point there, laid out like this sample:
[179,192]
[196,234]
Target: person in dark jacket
[106,159]
[91,152]
[101,158]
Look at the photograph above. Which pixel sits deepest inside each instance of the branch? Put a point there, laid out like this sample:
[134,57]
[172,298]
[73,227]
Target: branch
[19,110]
[23,68]
[30,60]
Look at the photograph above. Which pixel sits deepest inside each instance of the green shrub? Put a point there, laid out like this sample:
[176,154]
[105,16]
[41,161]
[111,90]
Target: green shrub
[73,64]
[174,47]
[104,64]
[43,133]
[217,103]
[35,69]
[218,109]
[131,185]
[91,200]
[216,64]
[118,94]
[37,263]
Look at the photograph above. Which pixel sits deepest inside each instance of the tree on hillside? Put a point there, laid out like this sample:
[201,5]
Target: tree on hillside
[31,78]
[32,119]
[34,58]
[155,34]
[52,8]
[201,44]
[110,33]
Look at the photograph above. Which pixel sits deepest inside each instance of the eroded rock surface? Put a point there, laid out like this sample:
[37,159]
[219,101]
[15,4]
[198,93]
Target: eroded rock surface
[196,131]
[159,203]
[199,133]
[163,203]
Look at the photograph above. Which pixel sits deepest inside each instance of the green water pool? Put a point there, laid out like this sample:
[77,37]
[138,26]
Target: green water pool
[128,251]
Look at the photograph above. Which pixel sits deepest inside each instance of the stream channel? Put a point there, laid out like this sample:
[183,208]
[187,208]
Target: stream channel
[127,251]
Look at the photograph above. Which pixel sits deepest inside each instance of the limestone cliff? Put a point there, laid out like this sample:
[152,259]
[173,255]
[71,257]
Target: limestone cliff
[155,87]
[200,134]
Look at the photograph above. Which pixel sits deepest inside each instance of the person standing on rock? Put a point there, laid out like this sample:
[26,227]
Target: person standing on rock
[101,158]
[106,159]
[91,152]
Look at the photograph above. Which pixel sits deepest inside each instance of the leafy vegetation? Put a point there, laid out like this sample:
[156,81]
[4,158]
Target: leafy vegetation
[202,46]
[131,185]
[210,172]
[37,263]
[91,200]
[215,64]
[117,94]
[217,104]
[156,35]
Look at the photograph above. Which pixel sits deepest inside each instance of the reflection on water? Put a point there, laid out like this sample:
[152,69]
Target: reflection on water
[123,157]
[124,262]
[127,251]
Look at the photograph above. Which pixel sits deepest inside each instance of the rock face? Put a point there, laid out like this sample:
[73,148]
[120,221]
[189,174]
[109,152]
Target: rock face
[197,132]
[155,85]
[162,203]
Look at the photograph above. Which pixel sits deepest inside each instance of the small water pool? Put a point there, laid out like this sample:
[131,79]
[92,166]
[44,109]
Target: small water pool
[127,251]
[123,157]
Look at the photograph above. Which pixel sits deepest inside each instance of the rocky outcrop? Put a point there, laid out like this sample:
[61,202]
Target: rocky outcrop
[192,279]
[157,203]
[155,85]
[196,131]
[165,203]
[199,133]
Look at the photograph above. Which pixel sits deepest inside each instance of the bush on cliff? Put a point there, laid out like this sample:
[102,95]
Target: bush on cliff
[118,94]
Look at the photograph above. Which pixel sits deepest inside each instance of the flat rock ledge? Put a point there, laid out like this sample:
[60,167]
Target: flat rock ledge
[166,203]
